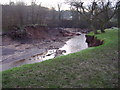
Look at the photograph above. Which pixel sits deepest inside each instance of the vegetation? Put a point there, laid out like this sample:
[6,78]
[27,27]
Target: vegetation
[96,15]
[91,68]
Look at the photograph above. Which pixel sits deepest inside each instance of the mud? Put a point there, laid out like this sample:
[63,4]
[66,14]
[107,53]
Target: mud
[93,41]
[75,44]
[13,50]
[39,44]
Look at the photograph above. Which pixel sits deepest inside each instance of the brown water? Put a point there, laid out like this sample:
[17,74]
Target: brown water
[75,44]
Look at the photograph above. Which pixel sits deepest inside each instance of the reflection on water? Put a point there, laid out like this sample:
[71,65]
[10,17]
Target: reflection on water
[75,44]
[34,59]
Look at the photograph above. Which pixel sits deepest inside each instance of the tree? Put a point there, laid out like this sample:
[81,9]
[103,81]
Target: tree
[20,9]
[33,4]
[59,14]
[75,17]
[107,13]
[96,12]
[53,18]
[19,14]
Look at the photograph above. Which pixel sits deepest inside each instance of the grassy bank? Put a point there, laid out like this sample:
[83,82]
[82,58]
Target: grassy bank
[93,67]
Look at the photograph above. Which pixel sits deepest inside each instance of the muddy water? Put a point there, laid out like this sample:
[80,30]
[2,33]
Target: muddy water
[75,44]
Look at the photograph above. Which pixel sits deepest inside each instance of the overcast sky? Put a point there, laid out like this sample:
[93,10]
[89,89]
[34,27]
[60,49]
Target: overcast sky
[47,3]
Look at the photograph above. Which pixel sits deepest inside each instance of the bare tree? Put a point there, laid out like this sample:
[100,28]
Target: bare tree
[93,11]
[107,13]
[20,9]
[33,3]
[59,14]
[88,13]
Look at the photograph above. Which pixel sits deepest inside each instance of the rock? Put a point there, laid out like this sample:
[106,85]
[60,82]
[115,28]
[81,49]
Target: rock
[78,33]
[48,54]
[59,52]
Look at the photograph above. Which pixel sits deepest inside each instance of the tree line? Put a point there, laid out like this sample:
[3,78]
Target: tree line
[97,15]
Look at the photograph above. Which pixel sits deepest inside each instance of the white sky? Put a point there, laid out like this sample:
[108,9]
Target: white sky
[48,3]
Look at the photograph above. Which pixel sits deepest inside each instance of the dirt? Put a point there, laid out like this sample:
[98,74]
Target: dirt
[93,41]
[37,32]
[35,40]
[37,43]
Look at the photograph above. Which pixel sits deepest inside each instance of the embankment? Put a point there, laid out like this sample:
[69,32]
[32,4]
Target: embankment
[95,67]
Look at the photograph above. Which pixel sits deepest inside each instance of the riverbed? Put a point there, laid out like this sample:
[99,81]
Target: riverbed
[74,44]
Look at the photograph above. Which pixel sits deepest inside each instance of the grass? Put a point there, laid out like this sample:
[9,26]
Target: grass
[95,67]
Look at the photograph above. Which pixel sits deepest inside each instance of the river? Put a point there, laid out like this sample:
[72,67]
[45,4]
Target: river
[75,44]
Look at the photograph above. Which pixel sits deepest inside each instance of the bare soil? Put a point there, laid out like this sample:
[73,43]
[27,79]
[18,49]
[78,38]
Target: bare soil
[93,41]
[38,41]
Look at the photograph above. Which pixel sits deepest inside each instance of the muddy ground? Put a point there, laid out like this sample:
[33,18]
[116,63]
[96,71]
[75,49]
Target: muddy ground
[13,50]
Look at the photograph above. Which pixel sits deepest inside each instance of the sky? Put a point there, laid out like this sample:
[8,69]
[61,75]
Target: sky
[48,3]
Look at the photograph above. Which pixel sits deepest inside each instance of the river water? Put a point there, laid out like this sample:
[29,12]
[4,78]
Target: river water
[75,44]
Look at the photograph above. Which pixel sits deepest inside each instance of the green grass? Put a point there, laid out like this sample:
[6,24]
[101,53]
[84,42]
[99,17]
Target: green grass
[91,68]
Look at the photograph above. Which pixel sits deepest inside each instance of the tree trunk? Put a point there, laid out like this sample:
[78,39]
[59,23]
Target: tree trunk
[93,29]
[102,29]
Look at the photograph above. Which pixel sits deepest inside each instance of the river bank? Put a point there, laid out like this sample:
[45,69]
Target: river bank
[17,52]
[95,67]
